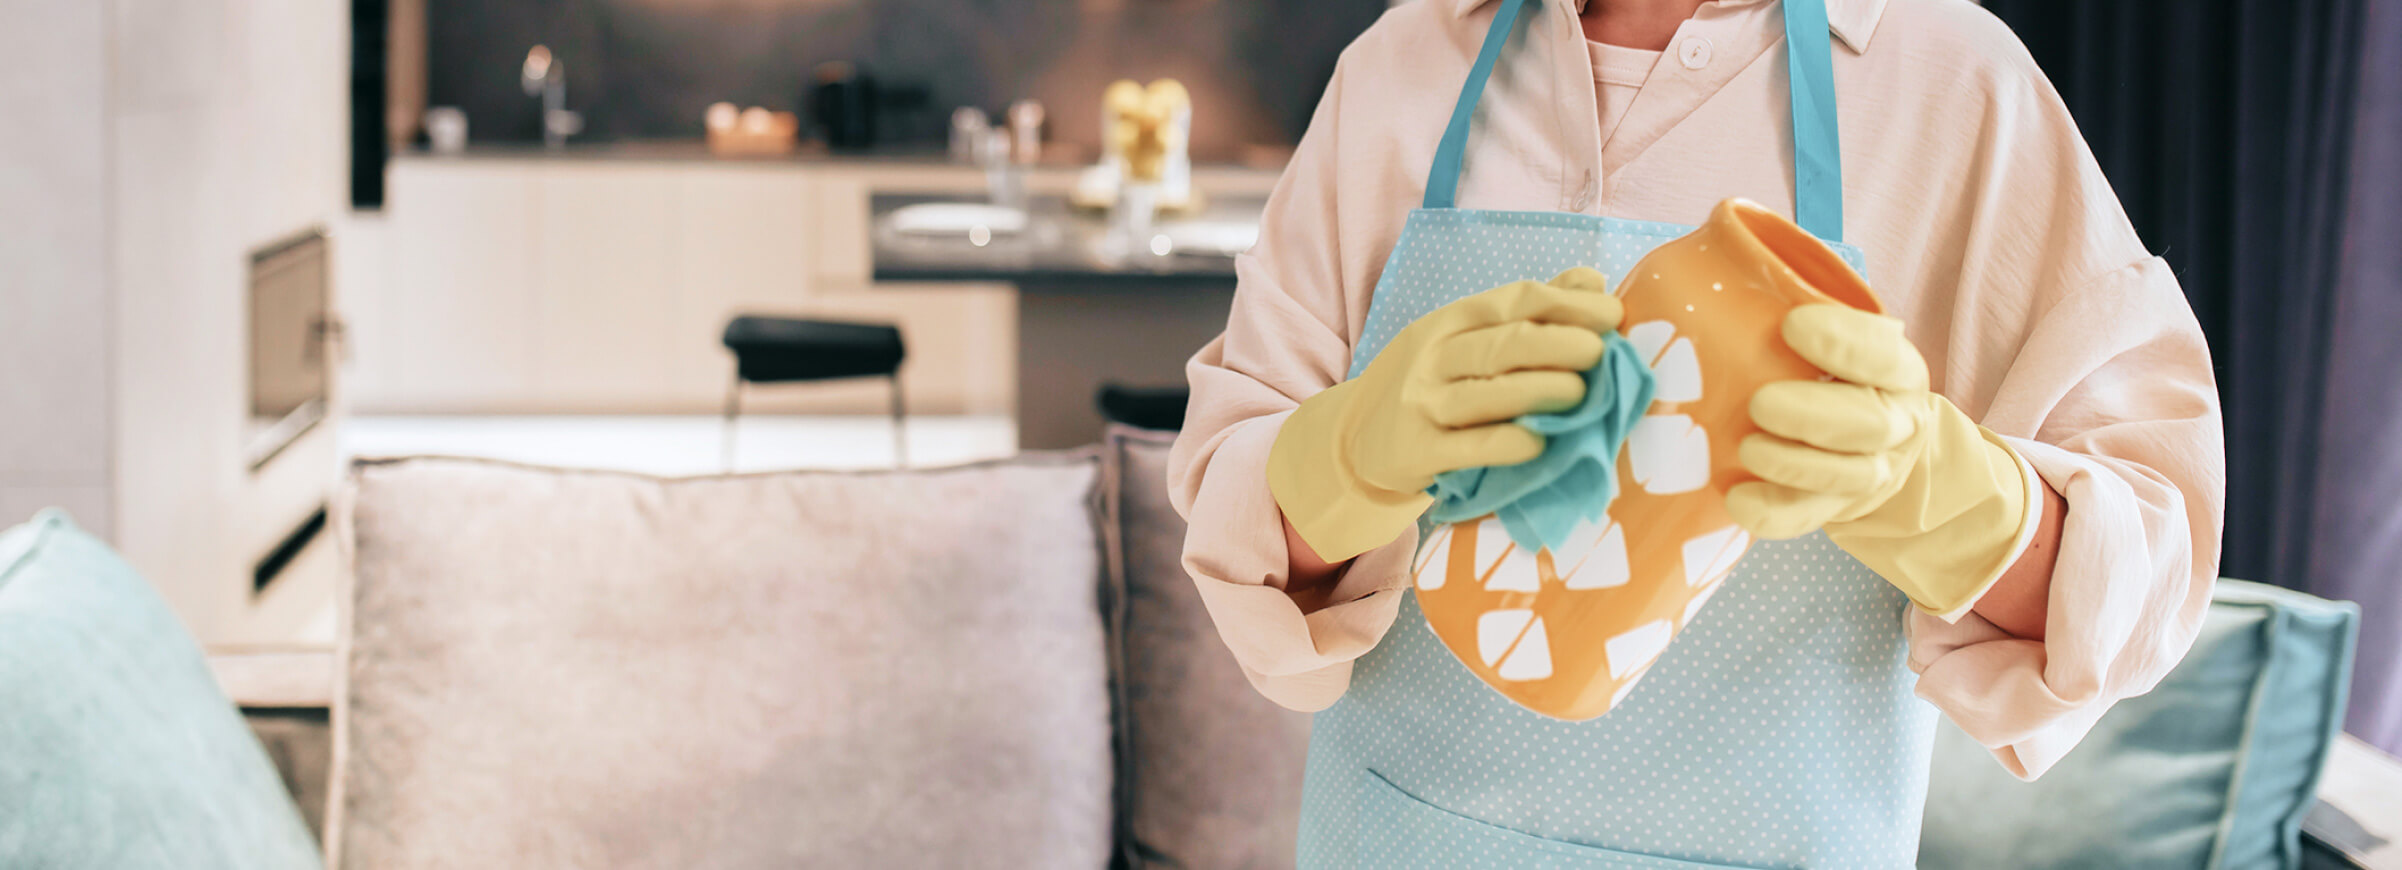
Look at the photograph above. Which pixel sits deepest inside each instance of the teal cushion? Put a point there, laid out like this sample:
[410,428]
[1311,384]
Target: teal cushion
[2213,768]
[117,749]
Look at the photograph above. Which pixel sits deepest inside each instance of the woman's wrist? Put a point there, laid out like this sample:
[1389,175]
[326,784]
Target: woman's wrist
[2020,602]
[1308,579]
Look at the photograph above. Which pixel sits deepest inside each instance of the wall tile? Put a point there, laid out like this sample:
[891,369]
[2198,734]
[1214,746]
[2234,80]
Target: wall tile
[647,69]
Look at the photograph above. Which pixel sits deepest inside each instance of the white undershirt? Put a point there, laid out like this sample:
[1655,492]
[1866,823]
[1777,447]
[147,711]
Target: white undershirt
[1618,73]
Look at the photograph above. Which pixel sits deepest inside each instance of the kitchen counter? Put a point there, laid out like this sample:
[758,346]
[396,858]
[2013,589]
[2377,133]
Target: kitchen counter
[896,169]
[1061,246]
[1089,312]
[677,151]
[807,154]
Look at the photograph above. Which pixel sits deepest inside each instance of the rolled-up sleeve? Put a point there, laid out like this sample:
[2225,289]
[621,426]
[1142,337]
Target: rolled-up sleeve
[1287,337]
[2077,347]
[2129,435]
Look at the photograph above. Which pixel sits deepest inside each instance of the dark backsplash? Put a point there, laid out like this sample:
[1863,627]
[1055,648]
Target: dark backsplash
[647,69]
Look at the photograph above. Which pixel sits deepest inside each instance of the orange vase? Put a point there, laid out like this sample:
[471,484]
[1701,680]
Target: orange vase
[1568,633]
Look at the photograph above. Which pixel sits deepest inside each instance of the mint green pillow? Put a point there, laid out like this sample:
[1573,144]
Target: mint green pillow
[2213,768]
[117,749]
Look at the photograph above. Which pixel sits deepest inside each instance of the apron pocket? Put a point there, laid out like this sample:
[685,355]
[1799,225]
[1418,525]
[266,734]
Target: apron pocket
[1397,831]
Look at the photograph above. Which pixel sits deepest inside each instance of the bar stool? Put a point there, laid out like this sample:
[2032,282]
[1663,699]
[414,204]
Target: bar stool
[1143,407]
[780,350]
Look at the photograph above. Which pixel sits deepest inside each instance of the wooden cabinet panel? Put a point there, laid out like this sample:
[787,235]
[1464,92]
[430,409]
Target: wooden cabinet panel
[460,314]
[844,260]
[604,287]
[744,244]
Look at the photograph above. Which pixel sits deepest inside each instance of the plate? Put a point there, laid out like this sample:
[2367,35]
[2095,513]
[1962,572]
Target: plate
[1211,238]
[956,219]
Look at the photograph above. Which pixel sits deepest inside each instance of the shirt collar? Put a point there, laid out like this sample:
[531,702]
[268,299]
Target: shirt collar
[1852,21]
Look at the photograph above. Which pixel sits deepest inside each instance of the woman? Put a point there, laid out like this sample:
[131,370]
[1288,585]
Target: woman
[2007,503]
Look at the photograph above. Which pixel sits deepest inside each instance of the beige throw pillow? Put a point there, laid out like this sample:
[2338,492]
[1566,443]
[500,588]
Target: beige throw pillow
[585,669]
[1211,774]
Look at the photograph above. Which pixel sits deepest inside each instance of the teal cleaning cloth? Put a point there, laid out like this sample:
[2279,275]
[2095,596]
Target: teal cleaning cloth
[1540,501]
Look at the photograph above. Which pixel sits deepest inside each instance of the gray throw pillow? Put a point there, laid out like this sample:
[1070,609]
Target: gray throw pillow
[586,669]
[1211,771]
[117,749]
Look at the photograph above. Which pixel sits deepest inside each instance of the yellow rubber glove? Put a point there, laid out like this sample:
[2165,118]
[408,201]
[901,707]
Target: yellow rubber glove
[1351,466]
[1898,477]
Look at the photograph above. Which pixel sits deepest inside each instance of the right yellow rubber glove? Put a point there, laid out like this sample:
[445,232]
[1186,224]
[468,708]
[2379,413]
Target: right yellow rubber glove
[1351,466]
[1897,476]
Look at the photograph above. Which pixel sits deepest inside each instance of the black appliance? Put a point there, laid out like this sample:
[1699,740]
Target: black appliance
[845,104]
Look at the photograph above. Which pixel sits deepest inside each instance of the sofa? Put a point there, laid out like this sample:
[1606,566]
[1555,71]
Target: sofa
[995,665]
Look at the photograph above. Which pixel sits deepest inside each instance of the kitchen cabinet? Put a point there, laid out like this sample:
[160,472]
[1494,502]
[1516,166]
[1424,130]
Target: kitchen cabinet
[744,242]
[604,284]
[527,282]
[450,329]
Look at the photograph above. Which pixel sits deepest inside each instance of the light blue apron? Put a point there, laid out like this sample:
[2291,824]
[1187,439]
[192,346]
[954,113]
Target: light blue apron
[1779,730]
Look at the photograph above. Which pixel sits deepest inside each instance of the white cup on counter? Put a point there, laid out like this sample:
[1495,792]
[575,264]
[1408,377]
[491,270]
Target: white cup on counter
[446,129]
[1026,131]
[969,126]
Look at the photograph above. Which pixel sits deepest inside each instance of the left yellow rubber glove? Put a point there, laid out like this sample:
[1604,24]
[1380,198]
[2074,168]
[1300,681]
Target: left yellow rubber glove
[1897,476]
[1350,467]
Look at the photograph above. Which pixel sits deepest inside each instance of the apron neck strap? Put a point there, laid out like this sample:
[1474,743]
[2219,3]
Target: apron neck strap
[1817,153]
[1442,184]
[1817,147]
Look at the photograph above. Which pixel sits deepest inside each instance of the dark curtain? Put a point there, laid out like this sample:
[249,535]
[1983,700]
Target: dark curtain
[2357,550]
[2228,128]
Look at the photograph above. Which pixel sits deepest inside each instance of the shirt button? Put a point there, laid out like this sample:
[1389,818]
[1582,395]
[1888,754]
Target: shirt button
[1584,195]
[1694,53]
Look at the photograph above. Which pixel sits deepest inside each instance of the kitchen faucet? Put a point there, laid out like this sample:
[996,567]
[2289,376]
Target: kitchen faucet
[545,76]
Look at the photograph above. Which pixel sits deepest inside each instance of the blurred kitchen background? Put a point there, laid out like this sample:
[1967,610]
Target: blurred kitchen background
[242,241]
[542,231]
[542,222]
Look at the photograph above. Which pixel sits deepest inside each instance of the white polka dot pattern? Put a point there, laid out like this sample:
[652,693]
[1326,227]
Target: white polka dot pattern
[1777,730]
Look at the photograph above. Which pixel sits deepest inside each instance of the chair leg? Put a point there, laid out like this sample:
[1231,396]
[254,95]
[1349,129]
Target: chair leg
[733,410]
[900,428]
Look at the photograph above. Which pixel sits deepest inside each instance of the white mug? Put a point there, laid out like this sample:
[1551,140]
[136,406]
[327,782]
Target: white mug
[446,128]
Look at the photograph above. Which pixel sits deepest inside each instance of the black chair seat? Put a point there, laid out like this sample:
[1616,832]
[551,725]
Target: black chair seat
[784,349]
[770,350]
[1144,407]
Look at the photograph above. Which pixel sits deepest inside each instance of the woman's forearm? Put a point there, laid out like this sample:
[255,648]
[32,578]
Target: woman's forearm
[2020,602]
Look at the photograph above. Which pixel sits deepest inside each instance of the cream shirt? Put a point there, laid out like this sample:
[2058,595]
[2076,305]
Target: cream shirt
[1618,74]
[1989,231]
